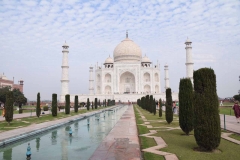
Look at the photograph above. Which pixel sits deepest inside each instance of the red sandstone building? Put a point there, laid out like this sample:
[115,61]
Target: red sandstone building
[4,82]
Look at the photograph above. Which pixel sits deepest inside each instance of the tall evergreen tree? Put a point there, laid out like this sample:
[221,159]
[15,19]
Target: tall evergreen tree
[142,103]
[160,107]
[105,103]
[88,104]
[207,129]
[99,103]
[67,104]
[168,105]
[38,109]
[9,107]
[150,104]
[147,102]
[154,106]
[186,105]
[76,104]
[54,104]
[92,105]
[96,101]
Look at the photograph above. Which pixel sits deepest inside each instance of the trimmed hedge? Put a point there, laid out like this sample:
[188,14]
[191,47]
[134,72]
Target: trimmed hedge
[54,104]
[38,109]
[76,104]
[95,104]
[168,105]
[88,104]
[207,129]
[160,107]
[67,104]
[186,105]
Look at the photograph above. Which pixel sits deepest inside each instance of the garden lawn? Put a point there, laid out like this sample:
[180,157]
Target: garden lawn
[183,145]
[226,111]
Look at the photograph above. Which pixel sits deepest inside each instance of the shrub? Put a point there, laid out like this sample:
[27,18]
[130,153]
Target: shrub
[9,107]
[67,104]
[38,109]
[186,105]
[45,108]
[76,104]
[160,107]
[54,105]
[168,105]
[207,130]
[20,111]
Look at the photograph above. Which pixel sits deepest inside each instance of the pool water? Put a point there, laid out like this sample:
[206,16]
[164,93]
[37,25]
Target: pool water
[59,145]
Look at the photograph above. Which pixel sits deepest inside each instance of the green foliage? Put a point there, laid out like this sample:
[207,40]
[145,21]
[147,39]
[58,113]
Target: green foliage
[207,130]
[95,103]
[147,101]
[3,92]
[88,104]
[54,104]
[20,111]
[9,107]
[154,106]
[168,105]
[92,105]
[38,109]
[76,104]
[45,108]
[67,104]
[186,105]
[19,97]
[99,103]
[151,104]
[237,97]
[160,107]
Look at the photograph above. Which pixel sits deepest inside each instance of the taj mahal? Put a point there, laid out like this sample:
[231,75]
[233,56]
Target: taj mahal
[126,77]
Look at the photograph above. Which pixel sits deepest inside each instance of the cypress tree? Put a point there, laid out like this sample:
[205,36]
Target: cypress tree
[96,101]
[76,104]
[67,104]
[9,107]
[186,105]
[105,103]
[154,106]
[92,105]
[54,104]
[160,107]
[150,104]
[141,103]
[38,109]
[207,130]
[168,105]
[147,103]
[99,103]
[88,104]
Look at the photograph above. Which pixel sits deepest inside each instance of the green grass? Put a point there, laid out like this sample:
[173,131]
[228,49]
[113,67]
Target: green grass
[227,103]
[151,156]
[183,145]
[23,122]
[226,110]
[235,136]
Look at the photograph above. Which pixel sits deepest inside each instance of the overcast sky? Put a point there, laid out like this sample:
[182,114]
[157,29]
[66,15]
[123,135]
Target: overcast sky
[32,34]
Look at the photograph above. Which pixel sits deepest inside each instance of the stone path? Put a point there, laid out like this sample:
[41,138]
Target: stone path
[122,141]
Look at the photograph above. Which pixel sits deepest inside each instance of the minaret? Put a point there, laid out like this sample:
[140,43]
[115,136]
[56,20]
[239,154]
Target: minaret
[64,80]
[166,77]
[91,89]
[189,61]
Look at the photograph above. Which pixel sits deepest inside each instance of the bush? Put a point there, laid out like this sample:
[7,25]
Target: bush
[76,104]
[20,111]
[160,107]
[9,107]
[168,105]
[207,130]
[54,105]
[38,109]
[45,108]
[186,105]
[67,104]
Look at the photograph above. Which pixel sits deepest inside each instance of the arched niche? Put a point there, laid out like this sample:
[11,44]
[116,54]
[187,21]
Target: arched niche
[156,77]
[156,89]
[147,89]
[98,78]
[108,78]
[127,83]
[98,90]
[108,89]
[146,77]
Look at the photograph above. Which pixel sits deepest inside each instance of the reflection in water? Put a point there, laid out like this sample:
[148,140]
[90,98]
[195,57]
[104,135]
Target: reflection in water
[54,137]
[70,139]
[38,143]
[7,155]
[76,126]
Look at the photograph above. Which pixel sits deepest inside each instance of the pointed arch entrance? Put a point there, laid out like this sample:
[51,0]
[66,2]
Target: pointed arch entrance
[127,83]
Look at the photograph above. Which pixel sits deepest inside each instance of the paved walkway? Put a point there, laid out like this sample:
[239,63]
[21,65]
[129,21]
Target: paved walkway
[122,142]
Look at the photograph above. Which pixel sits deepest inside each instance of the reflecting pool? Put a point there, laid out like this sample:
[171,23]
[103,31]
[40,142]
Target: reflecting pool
[57,144]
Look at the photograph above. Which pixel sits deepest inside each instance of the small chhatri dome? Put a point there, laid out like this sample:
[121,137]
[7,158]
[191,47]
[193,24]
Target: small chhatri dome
[145,59]
[108,60]
[65,44]
[127,50]
[188,41]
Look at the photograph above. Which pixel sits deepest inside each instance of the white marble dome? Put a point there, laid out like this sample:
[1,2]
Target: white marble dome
[127,50]
[145,59]
[108,60]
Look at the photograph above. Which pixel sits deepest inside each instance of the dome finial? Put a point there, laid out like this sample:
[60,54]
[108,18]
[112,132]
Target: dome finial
[126,33]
